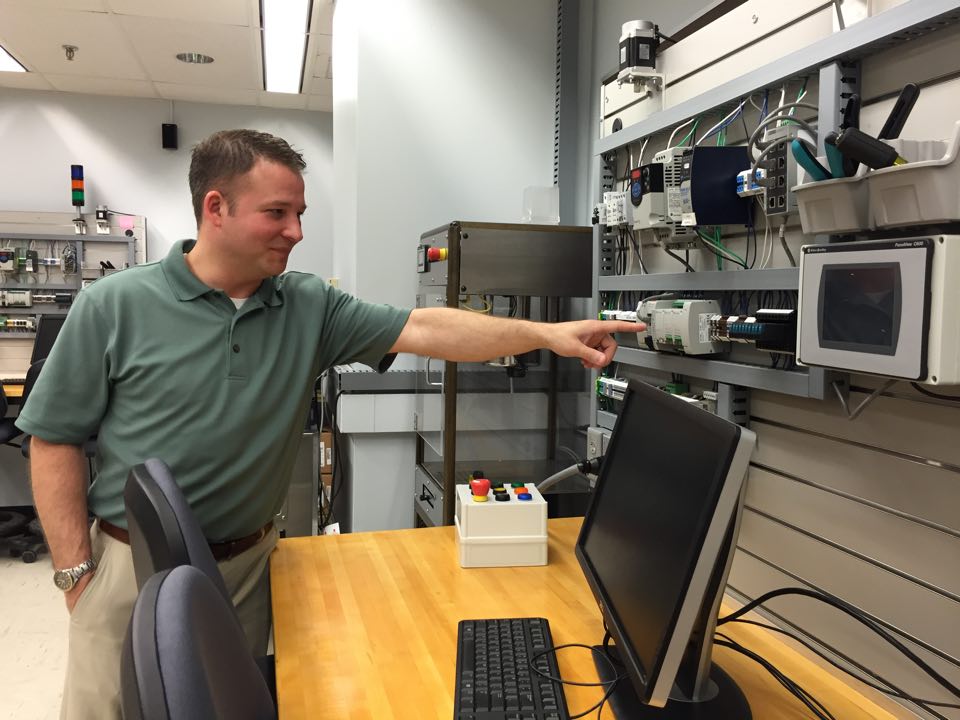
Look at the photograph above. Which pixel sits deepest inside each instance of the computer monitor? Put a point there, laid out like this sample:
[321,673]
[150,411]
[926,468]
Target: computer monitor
[47,331]
[656,546]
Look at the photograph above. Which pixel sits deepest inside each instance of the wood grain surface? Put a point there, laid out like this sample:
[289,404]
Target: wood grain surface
[365,626]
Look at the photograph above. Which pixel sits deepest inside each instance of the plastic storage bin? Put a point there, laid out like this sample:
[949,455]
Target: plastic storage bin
[832,207]
[926,190]
[501,534]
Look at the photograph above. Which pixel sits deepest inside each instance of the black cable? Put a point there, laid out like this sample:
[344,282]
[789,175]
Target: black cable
[929,393]
[665,37]
[636,249]
[611,683]
[853,612]
[751,234]
[689,268]
[336,481]
[814,705]
[890,688]
[708,246]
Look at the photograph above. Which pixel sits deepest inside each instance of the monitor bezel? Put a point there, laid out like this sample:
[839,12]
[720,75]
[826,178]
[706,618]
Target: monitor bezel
[653,685]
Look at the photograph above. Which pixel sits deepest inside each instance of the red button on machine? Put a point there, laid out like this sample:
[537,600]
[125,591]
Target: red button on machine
[480,486]
[435,254]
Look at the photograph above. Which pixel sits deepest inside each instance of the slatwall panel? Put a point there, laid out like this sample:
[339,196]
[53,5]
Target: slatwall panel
[868,510]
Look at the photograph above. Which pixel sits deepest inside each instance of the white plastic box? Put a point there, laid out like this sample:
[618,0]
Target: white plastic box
[925,190]
[833,207]
[501,534]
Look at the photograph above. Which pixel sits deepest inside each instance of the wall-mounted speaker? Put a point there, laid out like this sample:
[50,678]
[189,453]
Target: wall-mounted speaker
[168,133]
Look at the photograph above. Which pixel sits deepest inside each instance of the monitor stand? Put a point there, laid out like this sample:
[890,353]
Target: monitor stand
[728,703]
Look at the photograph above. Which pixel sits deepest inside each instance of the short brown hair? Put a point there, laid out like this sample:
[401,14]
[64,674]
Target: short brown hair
[226,155]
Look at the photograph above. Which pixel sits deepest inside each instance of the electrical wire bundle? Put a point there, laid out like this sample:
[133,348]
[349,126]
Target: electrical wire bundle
[815,707]
[68,259]
[325,512]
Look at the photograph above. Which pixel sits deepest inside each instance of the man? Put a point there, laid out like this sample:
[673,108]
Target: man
[205,360]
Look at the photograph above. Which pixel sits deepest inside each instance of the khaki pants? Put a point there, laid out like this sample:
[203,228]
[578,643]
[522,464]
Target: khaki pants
[99,621]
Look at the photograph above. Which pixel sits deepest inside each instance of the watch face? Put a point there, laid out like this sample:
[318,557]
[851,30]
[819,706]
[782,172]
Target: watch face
[63,580]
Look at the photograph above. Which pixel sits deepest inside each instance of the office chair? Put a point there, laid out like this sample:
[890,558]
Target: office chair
[185,656]
[89,446]
[8,430]
[21,536]
[164,533]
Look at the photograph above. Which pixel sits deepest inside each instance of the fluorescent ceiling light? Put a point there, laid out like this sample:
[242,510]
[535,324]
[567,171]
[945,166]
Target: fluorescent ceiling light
[8,64]
[284,41]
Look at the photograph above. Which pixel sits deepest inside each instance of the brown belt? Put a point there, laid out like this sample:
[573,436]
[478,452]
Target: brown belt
[221,550]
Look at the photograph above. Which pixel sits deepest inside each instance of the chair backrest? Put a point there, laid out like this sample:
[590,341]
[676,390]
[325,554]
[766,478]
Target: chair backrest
[185,655]
[33,372]
[164,532]
[9,431]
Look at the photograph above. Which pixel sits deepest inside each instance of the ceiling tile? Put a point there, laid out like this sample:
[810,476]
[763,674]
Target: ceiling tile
[234,50]
[102,48]
[223,12]
[207,94]
[24,81]
[320,102]
[102,86]
[283,100]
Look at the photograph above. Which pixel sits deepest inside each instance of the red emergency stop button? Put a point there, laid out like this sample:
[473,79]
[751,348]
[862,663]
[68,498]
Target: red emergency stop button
[436,254]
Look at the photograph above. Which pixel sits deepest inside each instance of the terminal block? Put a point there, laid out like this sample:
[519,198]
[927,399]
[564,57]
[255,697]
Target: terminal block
[769,330]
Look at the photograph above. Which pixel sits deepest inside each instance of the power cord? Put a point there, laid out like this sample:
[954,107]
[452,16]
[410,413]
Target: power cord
[609,684]
[890,688]
[853,612]
[929,393]
[804,696]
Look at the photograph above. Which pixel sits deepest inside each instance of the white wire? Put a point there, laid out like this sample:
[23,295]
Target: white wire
[677,129]
[767,238]
[712,130]
[643,149]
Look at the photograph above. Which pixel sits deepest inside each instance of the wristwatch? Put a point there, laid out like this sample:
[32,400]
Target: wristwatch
[67,579]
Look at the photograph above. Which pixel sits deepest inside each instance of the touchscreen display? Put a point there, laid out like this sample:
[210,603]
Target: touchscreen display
[860,306]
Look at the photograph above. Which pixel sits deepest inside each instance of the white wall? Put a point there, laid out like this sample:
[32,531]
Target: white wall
[442,111]
[603,20]
[117,140]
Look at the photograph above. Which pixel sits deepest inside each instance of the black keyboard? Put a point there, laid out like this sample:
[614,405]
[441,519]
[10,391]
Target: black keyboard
[494,678]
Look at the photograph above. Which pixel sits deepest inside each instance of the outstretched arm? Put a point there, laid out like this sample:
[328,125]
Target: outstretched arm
[463,336]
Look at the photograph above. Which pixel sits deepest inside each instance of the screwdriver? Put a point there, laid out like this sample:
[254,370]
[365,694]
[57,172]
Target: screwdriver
[873,153]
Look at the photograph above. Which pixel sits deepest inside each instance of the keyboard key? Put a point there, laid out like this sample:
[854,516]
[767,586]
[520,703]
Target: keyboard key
[497,682]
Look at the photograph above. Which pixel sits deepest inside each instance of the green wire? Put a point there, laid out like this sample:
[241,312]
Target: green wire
[689,134]
[715,242]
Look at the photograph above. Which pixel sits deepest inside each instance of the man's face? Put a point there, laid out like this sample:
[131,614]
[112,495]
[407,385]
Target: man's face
[264,223]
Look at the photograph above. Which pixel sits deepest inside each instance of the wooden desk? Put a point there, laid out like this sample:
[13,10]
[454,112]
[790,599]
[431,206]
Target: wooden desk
[13,391]
[365,626]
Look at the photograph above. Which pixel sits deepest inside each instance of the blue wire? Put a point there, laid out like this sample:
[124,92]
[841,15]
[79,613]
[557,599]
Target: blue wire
[721,127]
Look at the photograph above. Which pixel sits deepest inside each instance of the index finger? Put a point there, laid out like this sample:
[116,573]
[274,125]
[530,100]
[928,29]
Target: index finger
[623,326]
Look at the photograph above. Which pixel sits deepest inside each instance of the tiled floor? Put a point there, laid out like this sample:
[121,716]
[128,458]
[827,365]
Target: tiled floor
[33,640]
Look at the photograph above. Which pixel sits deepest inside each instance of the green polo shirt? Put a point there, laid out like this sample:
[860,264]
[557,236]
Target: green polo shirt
[160,365]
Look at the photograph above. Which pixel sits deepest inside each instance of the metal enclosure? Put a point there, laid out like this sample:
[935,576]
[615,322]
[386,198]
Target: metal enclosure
[500,417]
